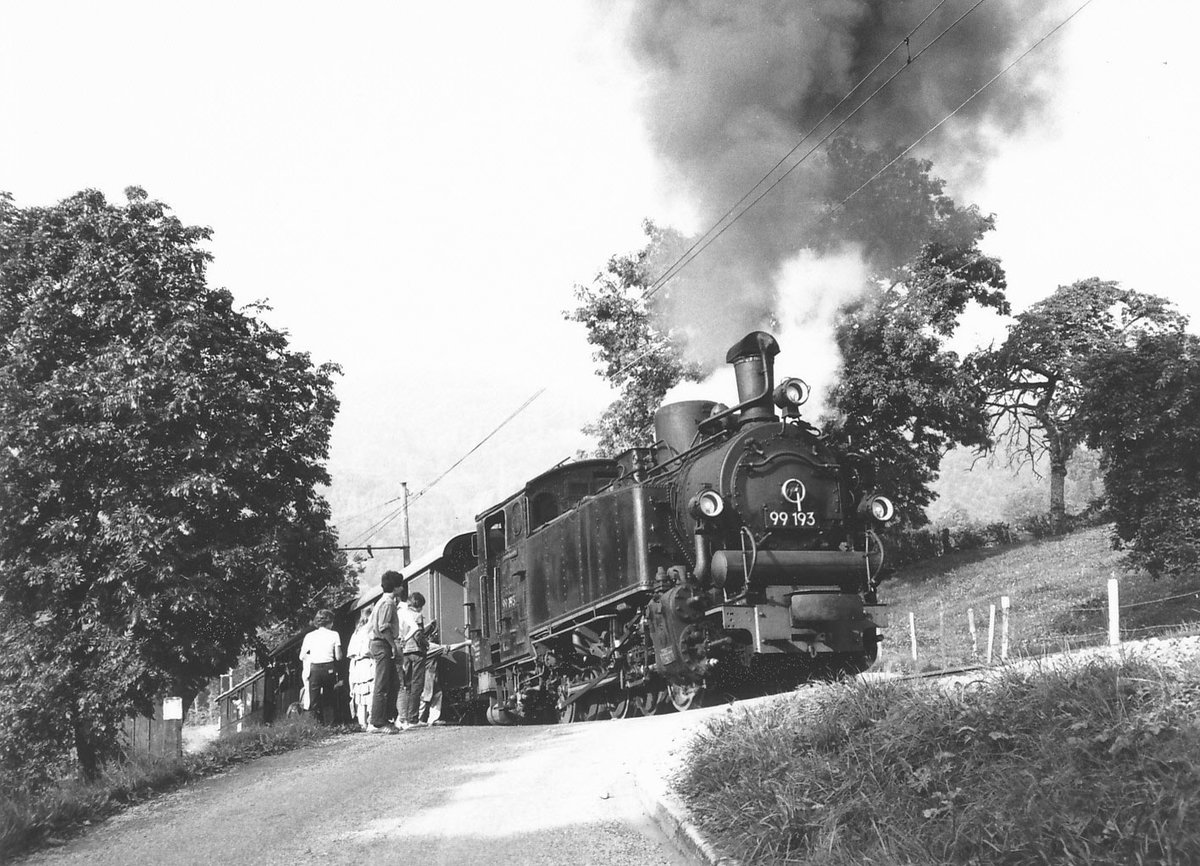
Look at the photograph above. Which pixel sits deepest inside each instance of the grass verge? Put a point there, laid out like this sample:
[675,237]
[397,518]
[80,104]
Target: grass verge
[30,818]
[1094,764]
[1058,593]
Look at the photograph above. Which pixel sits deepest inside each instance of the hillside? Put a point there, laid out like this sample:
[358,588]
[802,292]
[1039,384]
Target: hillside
[1058,595]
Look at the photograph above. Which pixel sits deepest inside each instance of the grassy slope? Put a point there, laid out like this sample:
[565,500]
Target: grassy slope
[1058,598]
[1089,766]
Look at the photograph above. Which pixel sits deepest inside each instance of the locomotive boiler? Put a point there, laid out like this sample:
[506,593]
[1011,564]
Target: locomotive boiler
[735,554]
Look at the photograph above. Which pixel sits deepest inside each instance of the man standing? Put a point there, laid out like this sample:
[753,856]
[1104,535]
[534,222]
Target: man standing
[384,645]
[414,642]
[321,651]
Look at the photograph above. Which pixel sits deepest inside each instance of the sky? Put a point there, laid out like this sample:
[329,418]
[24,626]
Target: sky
[416,190]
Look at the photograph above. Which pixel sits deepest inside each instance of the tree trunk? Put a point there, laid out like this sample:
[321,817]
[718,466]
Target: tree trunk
[85,749]
[1058,499]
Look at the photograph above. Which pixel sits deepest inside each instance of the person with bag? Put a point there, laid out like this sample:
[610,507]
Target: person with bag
[414,642]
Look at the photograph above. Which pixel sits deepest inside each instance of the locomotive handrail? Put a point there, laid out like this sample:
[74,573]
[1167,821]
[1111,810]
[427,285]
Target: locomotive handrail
[655,470]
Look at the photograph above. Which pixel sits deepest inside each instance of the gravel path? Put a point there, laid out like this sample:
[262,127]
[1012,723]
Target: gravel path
[534,795]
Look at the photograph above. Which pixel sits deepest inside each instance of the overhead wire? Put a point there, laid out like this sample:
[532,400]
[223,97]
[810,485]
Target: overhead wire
[379,525]
[784,158]
[706,240]
[961,105]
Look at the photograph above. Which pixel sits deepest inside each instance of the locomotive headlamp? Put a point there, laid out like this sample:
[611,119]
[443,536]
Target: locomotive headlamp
[882,508]
[791,393]
[708,504]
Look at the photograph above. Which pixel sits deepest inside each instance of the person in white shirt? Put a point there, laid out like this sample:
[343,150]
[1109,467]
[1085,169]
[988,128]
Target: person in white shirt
[413,643]
[322,650]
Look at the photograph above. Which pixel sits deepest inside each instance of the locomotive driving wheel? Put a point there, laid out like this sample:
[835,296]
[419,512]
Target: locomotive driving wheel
[568,714]
[622,703]
[653,701]
[685,696]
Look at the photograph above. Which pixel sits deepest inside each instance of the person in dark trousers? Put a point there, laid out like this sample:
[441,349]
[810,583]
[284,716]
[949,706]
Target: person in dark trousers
[414,642]
[384,646]
[322,650]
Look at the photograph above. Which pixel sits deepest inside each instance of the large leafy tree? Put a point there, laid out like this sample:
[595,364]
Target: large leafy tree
[160,455]
[1139,403]
[903,399]
[1034,379]
[640,355]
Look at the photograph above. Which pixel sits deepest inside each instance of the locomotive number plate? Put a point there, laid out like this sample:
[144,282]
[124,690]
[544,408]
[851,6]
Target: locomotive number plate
[789,518]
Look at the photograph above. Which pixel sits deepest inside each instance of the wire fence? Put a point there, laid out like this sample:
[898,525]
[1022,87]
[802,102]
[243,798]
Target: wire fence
[1002,629]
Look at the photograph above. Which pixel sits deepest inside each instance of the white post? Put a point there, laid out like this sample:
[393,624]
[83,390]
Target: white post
[912,630]
[991,632]
[1114,613]
[1003,627]
[974,635]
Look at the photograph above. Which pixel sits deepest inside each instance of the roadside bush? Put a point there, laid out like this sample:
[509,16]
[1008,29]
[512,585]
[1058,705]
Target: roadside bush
[35,738]
[970,537]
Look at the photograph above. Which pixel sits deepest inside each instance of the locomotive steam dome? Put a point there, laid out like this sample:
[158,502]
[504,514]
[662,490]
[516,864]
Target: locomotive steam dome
[677,425]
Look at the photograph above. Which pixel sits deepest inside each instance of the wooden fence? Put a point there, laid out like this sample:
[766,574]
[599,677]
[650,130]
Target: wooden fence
[157,736]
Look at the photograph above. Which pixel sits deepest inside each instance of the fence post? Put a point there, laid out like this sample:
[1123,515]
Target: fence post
[974,635]
[912,631]
[991,632]
[1003,627]
[1114,613]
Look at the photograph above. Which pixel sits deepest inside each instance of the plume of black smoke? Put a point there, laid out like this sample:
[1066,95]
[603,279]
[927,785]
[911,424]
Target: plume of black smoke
[732,87]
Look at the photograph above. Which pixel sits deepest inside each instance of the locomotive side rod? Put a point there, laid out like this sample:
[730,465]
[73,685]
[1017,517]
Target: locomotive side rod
[576,692]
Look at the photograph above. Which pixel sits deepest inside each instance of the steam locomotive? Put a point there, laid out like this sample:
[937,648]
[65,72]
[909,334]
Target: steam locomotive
[737,553]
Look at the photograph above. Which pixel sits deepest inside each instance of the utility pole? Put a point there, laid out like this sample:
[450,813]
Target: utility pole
[407,543]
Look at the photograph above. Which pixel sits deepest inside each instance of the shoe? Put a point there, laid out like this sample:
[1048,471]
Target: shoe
[382,729]
[404,726]
[435,723]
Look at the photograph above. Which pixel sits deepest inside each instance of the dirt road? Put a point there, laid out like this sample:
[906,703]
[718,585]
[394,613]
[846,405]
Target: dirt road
[456,796]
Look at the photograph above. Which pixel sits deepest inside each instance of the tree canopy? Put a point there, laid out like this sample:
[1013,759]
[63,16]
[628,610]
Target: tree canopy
[160,458]
[639,353]
[1034,380]
[1140,405]
[902,400]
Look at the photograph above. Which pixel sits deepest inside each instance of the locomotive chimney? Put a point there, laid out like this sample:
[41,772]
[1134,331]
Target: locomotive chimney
[753,359]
